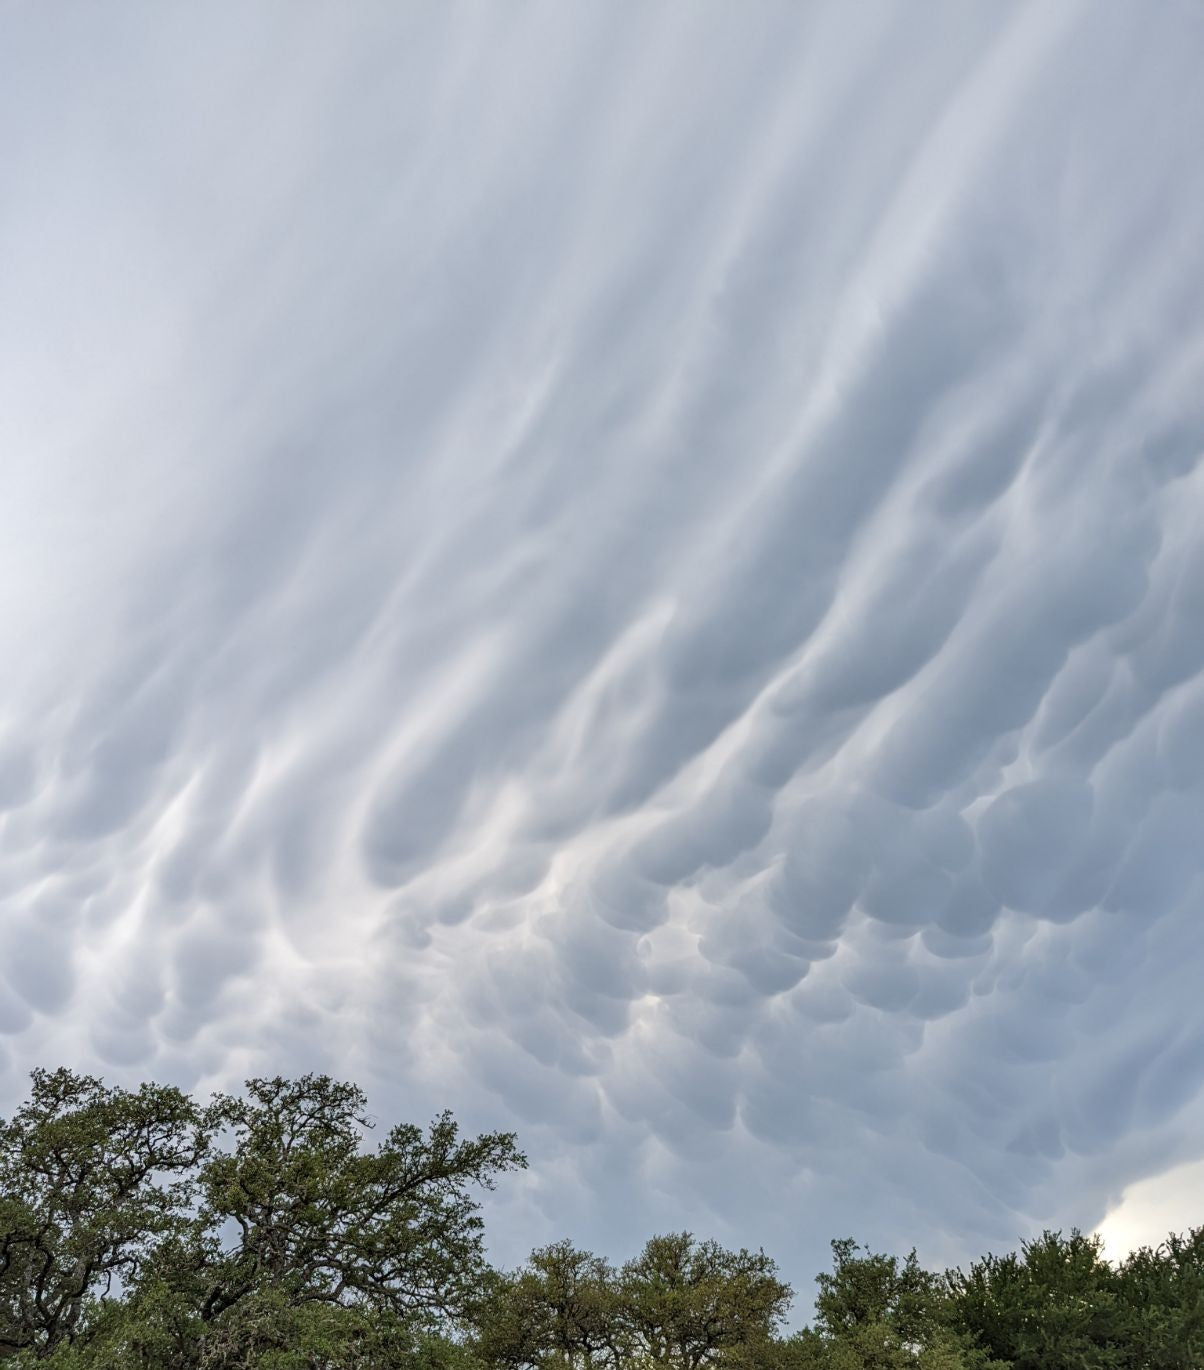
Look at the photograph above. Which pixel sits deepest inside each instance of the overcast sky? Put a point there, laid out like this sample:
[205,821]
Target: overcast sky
[633,570]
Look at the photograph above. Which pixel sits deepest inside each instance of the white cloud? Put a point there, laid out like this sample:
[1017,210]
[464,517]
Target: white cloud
[1151,1208]
[631,572]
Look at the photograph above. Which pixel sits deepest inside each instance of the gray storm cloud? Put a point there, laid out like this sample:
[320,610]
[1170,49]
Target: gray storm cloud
[631,571]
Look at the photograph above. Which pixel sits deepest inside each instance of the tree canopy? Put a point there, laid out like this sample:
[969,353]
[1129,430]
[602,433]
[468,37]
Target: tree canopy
[274,1230]
[144,1229]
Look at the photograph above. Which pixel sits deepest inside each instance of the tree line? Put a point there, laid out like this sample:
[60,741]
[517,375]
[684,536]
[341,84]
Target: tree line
[146,1230]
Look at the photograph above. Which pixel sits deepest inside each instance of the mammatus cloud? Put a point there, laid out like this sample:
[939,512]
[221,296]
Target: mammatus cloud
[633,572]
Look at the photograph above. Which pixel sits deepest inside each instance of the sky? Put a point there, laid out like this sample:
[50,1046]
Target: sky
[633,571]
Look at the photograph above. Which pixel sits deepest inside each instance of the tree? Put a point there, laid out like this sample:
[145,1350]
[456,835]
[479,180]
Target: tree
[681,1303]
[1054,1306]
[396,1229]
[873,1289]
[142,1230]
[562,1310]
[92,1178]
[1161,1303]
[687,1304]
[877,1312]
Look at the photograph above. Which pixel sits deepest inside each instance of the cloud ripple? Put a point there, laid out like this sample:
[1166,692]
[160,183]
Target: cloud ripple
[632,571]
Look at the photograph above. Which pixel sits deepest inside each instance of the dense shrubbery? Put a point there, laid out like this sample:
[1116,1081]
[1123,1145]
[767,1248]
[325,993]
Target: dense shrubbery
[142,1229]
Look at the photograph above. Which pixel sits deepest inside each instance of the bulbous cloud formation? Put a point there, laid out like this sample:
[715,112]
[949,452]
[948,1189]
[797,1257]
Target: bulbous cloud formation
[631,570]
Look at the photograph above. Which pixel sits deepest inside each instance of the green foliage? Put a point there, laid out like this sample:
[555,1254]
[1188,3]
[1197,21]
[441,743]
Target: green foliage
[875,1290]
[688,1304]
[91,1179]
[877,1312]
[681,1303]
[561,1309]
[1057,1305]
[1161,1310]
[140,1230]
[322,1221]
